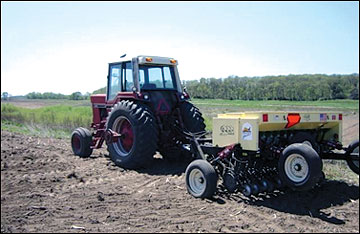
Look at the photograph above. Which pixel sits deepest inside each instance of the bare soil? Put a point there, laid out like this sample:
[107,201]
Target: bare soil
[45,188]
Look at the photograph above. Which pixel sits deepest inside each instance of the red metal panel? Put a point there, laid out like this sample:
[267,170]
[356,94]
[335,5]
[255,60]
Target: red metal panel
[95,100]
[98,98]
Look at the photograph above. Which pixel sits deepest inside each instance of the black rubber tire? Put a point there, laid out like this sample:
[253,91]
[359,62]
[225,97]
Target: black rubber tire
[192,118]
[145,132]
[313,161]
[209,176]
[193,122]
[301,137]
[84,137]
[354,146]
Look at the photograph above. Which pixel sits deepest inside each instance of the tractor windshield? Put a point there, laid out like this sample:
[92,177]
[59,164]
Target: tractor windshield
[157,77]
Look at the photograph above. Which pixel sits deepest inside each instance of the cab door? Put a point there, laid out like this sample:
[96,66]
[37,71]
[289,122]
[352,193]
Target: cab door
[114,80]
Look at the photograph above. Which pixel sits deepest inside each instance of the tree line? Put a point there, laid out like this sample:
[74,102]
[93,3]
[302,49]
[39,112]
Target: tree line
[50,95]
[291,87]
[307,87]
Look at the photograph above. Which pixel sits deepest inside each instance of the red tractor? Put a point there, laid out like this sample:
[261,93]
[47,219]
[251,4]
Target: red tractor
[145,110]
[142,112]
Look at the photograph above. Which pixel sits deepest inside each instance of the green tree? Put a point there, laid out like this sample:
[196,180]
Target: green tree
[5,96]
[76,96]
[354,94]
[291,87]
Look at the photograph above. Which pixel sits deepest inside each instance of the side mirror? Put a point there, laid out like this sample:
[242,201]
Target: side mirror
[185,93]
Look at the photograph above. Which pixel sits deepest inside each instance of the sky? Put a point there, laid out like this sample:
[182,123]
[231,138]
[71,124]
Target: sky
[64,47]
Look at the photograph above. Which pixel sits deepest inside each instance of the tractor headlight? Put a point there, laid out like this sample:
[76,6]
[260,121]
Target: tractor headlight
[182,97]
[146,97]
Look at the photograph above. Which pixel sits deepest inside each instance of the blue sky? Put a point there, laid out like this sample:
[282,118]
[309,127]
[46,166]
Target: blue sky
[64,47]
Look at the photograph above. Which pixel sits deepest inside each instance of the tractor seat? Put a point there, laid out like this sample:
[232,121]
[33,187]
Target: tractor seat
[149,86]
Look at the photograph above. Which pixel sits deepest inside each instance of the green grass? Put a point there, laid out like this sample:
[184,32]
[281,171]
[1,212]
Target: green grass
[61,118]
[344,105]
[66,115]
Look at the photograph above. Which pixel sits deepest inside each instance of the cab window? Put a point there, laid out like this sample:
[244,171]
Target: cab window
[127,77]
[157,77]
[114,85]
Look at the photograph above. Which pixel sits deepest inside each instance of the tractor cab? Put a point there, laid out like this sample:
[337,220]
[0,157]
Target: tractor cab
[152,80]
[141,74]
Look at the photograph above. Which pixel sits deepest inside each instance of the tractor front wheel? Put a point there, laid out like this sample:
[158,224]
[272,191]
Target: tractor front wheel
[138,131]
[81,140]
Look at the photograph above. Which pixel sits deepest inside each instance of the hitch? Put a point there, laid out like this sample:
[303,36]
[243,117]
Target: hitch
[111,136]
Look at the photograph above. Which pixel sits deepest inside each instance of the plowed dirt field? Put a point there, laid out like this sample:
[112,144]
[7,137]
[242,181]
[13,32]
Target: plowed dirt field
[45,188]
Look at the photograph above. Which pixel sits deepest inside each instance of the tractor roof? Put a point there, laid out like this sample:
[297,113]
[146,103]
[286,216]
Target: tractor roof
[146,59]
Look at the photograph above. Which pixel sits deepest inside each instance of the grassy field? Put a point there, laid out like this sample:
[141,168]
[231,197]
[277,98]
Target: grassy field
[58,120]
[63,116]
[343,105]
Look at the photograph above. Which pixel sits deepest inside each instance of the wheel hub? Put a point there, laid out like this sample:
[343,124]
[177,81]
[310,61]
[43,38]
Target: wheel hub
[197,181]
[127,138]
[201,180]
[296,168]
[125,142]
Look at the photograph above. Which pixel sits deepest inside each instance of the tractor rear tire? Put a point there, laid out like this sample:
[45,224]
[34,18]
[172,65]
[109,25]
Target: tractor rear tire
[193,123]
[192,118]
[137,144]
[353,149]
[81,139]
[300,167]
